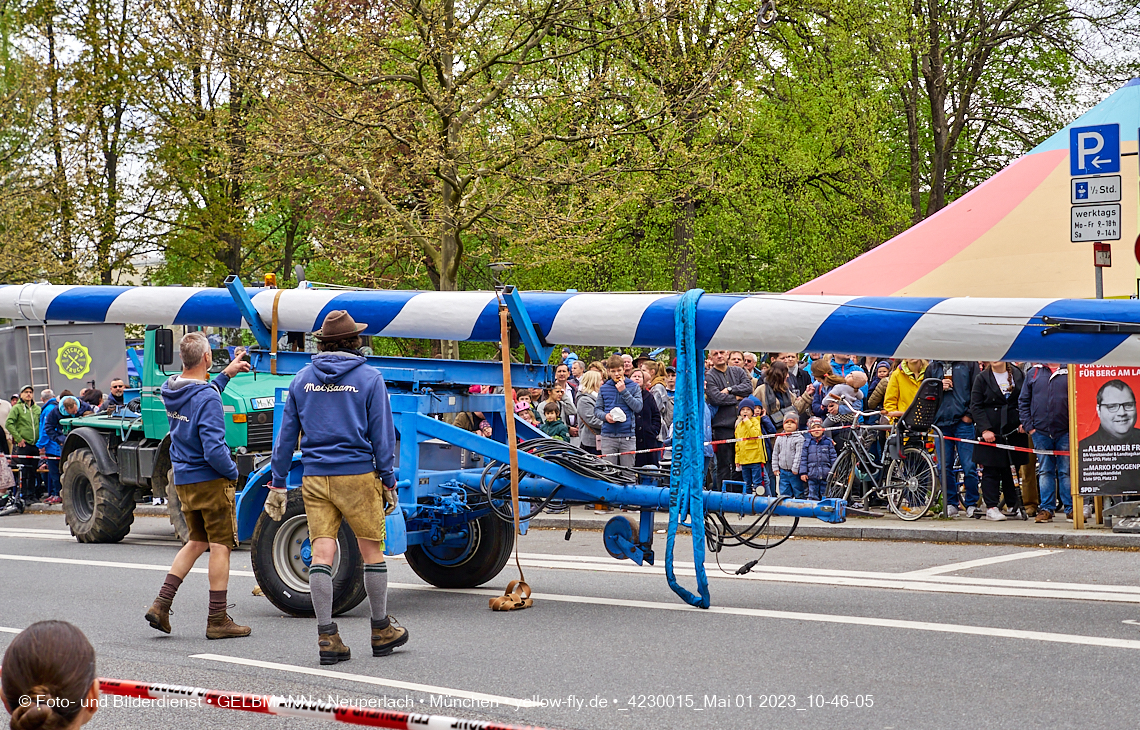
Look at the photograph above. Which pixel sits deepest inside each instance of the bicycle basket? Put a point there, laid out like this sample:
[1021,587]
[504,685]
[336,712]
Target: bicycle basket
[920,414]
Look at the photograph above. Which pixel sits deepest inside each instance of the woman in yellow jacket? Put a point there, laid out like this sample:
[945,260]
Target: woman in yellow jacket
[903,386]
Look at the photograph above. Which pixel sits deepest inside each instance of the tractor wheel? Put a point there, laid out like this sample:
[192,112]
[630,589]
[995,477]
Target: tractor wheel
[97,507]
[281,554]
[467,563]
[173,506]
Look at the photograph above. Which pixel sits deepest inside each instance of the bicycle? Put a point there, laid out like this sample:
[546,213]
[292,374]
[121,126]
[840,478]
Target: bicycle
[906,475]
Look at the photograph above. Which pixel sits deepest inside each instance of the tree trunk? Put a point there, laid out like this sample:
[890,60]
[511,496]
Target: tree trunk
[61,189]
[684,268]
[909,94]
[934,71]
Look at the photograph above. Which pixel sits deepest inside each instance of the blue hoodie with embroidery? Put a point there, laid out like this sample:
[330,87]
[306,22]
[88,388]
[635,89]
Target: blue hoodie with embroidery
[198,448]
[339,407]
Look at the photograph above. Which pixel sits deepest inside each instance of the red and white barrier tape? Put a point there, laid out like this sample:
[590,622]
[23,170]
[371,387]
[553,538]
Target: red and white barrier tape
[29,456]
[1007,447]
[1004,447]
[292,707]
[765,437]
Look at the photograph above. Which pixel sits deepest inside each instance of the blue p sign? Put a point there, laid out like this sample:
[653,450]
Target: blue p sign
[1094,150]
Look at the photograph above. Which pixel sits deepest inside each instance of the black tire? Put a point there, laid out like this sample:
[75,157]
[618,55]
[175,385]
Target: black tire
[911,483]
[165,487]
[97,507]
[842,477]
[472,564]
[282,574]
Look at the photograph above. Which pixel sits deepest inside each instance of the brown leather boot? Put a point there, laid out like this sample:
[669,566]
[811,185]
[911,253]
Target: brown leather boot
[159,614]
[388,638]
[219,625]
[332,649]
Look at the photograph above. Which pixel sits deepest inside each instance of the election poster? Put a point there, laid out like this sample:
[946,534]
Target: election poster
[1107,459]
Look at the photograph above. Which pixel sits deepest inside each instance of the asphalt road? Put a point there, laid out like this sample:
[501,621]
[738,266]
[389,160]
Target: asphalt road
[823,633]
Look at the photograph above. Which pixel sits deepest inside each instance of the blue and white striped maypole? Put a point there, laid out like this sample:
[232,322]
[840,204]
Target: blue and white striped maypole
[1091,331]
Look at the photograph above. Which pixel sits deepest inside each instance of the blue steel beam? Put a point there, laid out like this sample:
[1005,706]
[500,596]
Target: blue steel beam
[530,337]
[248,311]
[549,476]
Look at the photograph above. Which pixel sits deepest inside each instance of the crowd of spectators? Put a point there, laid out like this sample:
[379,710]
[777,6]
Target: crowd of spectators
[31,433]
[777,421]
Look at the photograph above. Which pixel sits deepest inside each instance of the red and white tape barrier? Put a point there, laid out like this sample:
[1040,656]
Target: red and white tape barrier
[292,707]
[1004,447]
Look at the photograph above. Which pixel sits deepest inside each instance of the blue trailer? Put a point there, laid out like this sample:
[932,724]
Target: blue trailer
[455,516]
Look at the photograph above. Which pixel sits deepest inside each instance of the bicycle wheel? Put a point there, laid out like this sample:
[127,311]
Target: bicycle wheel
[842,477]
[911,484]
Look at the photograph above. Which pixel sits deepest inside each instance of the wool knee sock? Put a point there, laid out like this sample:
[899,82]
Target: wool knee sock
[376,584]
[217,601]
[169,587]
[321,589]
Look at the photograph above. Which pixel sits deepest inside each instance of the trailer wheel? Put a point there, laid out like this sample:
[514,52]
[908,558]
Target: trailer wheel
[469,563]
[280,553]
[97,507]
[173,506]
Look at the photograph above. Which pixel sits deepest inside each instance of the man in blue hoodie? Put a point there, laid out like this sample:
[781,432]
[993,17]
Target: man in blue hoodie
[338,406]
[204,477]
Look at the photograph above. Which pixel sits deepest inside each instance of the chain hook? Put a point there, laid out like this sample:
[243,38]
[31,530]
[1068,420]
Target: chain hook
[766,17]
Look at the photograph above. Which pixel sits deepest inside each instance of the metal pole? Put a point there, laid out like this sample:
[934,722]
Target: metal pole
[1099,282]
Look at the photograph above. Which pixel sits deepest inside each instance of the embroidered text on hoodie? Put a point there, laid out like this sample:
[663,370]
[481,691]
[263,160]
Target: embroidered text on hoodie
[198,448]
[339,406]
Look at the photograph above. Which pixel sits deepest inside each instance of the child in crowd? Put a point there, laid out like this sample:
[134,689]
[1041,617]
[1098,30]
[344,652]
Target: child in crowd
[751,452]
[484,429]
[786,454]
[846,398]
[523,411]
[842,402]
[553,425]
[816,459]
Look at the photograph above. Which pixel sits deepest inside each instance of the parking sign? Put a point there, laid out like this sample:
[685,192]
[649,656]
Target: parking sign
[1094,150]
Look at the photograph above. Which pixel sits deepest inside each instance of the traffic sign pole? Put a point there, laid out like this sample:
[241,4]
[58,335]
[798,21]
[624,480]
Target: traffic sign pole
[1094,154]
[1102,259]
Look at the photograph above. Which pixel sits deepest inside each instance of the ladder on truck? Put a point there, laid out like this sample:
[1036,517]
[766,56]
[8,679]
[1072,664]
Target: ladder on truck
[38,357]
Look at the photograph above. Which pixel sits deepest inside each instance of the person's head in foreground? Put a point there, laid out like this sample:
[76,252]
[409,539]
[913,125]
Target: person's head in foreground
[48,680]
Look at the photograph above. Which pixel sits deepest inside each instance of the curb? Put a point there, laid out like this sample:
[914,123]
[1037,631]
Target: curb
[141,510]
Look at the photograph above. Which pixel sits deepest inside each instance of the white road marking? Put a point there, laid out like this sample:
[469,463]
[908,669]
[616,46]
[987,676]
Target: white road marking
[968,564]
[753,612]
[778,574]
[366,679]
[110,564]
[1101,641]
[7,630]
[858,579]
[65,535]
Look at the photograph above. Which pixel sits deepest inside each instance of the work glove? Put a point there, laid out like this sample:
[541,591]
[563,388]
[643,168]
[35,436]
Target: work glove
[275,503]
[391,501]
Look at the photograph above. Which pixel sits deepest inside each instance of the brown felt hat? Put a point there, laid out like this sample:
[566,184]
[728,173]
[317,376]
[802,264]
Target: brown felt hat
[338,324]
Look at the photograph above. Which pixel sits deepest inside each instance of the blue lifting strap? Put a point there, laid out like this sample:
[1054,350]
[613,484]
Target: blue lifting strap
[686,482]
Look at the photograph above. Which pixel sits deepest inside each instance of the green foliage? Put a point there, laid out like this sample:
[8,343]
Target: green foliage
[598,146]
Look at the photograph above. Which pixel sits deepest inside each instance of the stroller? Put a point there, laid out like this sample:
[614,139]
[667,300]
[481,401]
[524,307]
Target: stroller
[10,501]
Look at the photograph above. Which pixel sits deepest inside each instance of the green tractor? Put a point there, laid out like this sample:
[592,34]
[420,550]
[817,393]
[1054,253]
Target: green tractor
[109,461]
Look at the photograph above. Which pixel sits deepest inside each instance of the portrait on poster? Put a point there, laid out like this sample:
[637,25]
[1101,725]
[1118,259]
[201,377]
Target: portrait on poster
[1108,451]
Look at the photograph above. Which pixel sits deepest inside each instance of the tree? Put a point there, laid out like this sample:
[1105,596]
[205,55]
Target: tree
[209,72]
[983,82]
[463,124]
